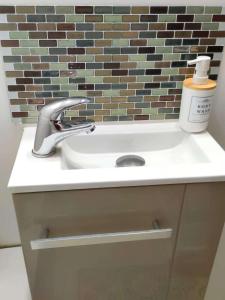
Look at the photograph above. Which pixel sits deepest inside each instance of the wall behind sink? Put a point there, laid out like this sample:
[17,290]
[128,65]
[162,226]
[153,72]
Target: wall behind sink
[129,60]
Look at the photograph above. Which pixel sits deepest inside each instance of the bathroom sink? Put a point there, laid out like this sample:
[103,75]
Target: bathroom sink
[163,152]
[157,145]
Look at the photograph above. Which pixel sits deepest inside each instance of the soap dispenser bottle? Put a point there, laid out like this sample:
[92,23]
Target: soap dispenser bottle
[197,97]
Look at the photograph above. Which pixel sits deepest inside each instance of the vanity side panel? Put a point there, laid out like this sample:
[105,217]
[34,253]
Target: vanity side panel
[97,211]
[202,220]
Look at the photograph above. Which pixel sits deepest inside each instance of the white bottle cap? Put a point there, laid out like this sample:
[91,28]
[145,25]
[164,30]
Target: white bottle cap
[201,69]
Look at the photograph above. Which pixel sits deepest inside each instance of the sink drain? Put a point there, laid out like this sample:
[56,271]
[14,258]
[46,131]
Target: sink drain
[130,161]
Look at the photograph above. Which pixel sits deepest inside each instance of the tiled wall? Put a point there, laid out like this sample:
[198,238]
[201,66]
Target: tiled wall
[130,61]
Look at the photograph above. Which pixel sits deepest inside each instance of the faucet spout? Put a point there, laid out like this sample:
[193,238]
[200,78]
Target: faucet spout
[52,129]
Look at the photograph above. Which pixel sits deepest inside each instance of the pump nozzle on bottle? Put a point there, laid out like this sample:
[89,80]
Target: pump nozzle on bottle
[201,69]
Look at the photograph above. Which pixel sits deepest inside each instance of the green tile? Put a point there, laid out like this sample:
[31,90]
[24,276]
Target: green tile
[210,26]
[33,114]
[112,18]
[145,64]
[144,78]
[213,9]
[76,93]
[159,92]
[138,57]
[83,73]
[148,111]
[94,79]
[20,51]
[58,66]
[156,42]
[68,87]
[118,112]
[29,120]
[120,43]
[60,80]
[39,51]
[203,18]
[72,113]
[64,9]
[164,49]
[29,43]
[25,107]
[66,43]
[167,18]
[17,35]
[157,117]
[85,58]
[111,93]
[19,66]
[179,84]
[171,71]
[74,18]
[173,56]
[195,9]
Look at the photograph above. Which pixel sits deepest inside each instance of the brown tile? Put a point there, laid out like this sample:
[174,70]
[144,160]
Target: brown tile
[37,101]
[38,35]
[136,86]
[84,9]
[75,35]
[32,74]
[46,26]
[102,100]
[41,66]
[76,66]
[103,43]
[127,79]
[18,101]
[165,34]
[120,35]
[196,49]
[173,104]
[215,63]
[119,72]
[24,80]
[111,79]
[8,26]
[166,98]
[218,18]
[141,117]
[120,27]
[130,18]
[110,105]
[111,65]
[128,65]
[103,26]
[103,72]
[185,18]
[94,93]
[10,43]
[16,88]
[14,74]
[67,58]
[103,58]
[126,105]
[160,78]
[158,104]
[127,92]
[7,9]
[162,64]
[151,98]
[175,91]
[47,43]
[27,26]
[26,95]
[102,112]
[16,18]
[158,9]
[19,114]
[76,50]
[94,50]
[120,58]
[199,33]
[207,42]
[31,58]
[186,70]
[157,26]
[140,10]
[56,35]
[65,26]
[138,42]
[97,118]
[93,18]
[134,111]
[25,9]
[217,33]
[183,34]
[119,99]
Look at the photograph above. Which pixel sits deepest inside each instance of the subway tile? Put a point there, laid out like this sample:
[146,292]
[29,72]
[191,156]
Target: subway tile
[25,9]
[7,9]
[64,9]
[84,26]
[36,18]
[85,43]
[177,9]
[55,18]
[45,9]
[84,9]
[103,9]
[158,9]
[121,10]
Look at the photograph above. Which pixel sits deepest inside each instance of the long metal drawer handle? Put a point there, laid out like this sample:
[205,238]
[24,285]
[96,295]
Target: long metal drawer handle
[101,238]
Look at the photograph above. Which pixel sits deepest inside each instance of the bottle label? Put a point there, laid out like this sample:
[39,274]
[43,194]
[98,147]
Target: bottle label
[200,109]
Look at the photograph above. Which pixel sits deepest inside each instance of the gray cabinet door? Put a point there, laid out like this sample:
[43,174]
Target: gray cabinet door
[201,224]
[130,258]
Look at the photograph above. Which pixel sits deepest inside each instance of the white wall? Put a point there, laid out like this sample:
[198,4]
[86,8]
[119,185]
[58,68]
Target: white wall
[9,140]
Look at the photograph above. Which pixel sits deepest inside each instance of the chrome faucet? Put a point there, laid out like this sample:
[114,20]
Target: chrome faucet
[52,129]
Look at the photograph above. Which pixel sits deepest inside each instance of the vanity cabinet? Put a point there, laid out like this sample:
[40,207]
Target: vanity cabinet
[129,243]
[126,270]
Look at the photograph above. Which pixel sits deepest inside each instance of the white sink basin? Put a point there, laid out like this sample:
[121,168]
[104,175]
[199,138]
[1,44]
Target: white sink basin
[158,145]
[89,161]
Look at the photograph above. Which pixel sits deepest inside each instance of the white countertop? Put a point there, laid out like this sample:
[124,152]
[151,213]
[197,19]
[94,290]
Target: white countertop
[32,174]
